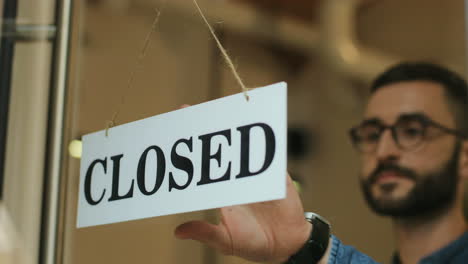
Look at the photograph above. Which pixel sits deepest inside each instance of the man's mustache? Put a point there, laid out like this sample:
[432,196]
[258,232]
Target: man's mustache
[402,172]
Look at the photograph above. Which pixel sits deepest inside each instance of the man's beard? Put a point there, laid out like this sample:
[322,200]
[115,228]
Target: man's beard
[432,193]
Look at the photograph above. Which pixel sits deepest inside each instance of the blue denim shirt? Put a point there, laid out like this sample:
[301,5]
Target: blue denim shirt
[454,253]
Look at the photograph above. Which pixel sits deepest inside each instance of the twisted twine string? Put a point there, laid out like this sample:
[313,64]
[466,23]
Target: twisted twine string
[111,123]
[224,52]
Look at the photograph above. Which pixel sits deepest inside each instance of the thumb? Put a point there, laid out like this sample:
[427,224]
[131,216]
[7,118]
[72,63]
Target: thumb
[216,236]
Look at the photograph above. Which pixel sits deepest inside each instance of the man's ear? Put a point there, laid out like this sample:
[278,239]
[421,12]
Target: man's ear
[463,162]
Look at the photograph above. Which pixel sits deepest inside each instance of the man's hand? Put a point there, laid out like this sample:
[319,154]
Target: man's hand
[263,232]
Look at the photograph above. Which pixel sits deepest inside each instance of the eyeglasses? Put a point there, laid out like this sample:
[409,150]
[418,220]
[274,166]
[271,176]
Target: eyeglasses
[409,132]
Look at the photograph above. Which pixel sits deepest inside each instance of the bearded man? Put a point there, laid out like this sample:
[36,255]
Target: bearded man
[414,154]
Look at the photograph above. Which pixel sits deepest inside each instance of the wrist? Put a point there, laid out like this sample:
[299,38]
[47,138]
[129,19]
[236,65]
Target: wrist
[305,235]
[316,244]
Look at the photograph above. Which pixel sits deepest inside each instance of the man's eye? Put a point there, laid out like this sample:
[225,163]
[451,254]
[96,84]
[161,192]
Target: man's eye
[371,136]
[411,132]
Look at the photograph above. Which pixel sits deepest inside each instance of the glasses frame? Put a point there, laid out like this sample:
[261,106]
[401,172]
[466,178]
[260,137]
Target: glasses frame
[425,121]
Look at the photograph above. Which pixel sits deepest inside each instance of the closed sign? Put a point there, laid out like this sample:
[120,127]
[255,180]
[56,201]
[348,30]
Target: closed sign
[224,152]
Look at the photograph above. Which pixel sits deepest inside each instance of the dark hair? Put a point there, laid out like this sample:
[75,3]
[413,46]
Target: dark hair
[455,86]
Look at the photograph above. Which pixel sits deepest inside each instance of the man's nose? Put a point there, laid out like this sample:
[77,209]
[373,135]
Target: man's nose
[387,148]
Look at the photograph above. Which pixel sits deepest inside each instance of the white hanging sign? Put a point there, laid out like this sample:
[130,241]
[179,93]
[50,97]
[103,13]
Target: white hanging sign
[220,153]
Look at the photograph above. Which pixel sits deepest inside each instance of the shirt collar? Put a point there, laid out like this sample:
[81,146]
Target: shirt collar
[444,254]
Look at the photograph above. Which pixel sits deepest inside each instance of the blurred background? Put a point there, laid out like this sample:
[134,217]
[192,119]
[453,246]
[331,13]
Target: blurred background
[67,75]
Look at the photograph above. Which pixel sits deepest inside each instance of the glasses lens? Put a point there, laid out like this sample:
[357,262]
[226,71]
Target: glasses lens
[366,137]
[410,133]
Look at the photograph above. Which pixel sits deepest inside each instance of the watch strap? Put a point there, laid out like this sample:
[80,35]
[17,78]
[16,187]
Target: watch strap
[316,246]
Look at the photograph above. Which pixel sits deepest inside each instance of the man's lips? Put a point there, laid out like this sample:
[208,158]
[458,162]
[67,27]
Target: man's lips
[389,176]
[390,173]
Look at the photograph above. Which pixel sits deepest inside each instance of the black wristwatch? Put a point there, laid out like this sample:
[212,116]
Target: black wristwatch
[316,246]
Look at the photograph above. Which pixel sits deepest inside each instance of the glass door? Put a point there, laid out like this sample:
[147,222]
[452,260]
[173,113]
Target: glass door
[32,56]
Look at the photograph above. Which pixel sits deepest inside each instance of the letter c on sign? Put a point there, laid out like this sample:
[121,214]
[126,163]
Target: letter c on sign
[87,181]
